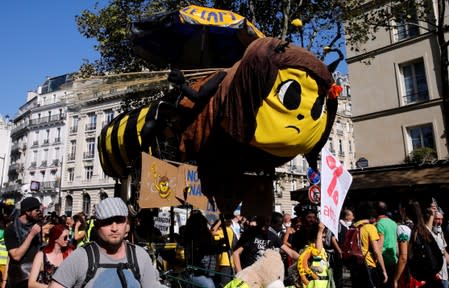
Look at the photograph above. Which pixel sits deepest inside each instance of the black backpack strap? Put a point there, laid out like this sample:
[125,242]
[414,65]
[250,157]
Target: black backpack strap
[132,260]
[93,259]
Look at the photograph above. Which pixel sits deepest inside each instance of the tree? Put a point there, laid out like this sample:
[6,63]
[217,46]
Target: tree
[109,25]
[365,19]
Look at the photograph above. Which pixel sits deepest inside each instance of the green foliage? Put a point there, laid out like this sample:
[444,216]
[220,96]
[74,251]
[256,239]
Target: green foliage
[422,155]
[109,26]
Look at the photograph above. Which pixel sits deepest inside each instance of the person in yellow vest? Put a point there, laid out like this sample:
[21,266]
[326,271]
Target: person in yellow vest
[224,262]
[3,260]
[313,265]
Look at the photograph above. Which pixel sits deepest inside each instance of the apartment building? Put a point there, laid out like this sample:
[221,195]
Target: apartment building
[37,143]
[83,183]
[397,105]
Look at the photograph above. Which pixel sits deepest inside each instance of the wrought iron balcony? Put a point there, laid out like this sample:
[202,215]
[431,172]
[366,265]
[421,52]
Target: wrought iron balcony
[88,155]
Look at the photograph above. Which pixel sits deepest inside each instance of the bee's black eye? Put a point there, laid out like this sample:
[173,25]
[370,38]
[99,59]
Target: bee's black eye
[289,93]
[317,108]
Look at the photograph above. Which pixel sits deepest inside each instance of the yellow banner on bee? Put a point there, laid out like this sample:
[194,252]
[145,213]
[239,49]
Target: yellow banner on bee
[163,184]
[215,17]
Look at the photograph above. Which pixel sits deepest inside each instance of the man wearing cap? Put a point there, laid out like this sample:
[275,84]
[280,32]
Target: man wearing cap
[112,226]
[22,240]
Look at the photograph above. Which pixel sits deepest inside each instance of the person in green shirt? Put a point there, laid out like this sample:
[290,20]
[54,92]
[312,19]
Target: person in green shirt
[387,229]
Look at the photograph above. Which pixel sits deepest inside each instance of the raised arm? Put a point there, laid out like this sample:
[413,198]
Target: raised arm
[17,253]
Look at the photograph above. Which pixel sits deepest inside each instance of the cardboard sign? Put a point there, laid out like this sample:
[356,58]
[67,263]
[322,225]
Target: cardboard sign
[335,183]
[190,184]
[158,183]
[163,184]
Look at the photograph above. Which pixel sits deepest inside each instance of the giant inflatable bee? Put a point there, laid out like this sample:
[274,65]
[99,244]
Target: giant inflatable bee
[236,125]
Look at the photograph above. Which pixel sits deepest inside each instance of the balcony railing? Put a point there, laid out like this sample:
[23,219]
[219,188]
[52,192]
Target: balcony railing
[11,188]
[33,164]
[43,164]
[47,119]
[74,129]
[46,142]
[71,157]
[57,140]
[88,155]
[48,184]
[91,126]
[419,96]
[35,143]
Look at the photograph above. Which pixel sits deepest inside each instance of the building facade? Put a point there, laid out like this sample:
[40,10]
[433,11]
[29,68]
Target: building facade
[84,183]
[397,103]
[5,146]
[37,140]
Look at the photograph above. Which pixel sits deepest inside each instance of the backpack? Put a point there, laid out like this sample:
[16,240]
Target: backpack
[351,247]
[425,258]
[93,258]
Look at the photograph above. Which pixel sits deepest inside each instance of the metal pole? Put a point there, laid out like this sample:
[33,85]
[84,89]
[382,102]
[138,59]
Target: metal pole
[59,188]
[3,171]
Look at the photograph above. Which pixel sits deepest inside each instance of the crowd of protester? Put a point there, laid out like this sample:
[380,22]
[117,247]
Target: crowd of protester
[33,246]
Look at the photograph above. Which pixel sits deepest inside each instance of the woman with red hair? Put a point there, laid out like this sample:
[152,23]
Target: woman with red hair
[48,260]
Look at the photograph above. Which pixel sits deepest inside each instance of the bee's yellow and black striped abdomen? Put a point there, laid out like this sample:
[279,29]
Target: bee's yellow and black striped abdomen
[120,142]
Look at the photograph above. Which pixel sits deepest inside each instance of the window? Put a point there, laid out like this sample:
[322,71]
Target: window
[90,142]
[92,124]
[74,126]
[408,27]
[36,138]
[421,136]
[109,115]
[89,171]
[68,205]
[86,204]
[72,150]
[331,145]
[71,174]
[414,82]
[340,147]
[45,155]
[47,136]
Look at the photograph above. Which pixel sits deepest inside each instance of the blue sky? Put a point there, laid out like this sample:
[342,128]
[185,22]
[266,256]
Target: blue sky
[38,39]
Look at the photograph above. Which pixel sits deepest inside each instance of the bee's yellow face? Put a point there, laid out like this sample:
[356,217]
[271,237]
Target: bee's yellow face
[291,119]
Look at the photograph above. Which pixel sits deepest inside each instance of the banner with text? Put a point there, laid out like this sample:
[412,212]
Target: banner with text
[191,185]
[335,183]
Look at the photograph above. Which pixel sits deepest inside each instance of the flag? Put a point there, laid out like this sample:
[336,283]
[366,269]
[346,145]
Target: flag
[335,183]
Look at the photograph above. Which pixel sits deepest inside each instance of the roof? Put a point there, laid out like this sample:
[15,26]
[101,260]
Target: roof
[383,180]
[401,176]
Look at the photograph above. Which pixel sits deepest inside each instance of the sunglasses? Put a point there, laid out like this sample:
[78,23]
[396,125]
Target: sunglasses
[110,221]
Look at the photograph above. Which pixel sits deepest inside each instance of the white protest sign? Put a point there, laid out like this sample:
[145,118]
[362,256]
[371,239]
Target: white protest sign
[335,183]
[162,222]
